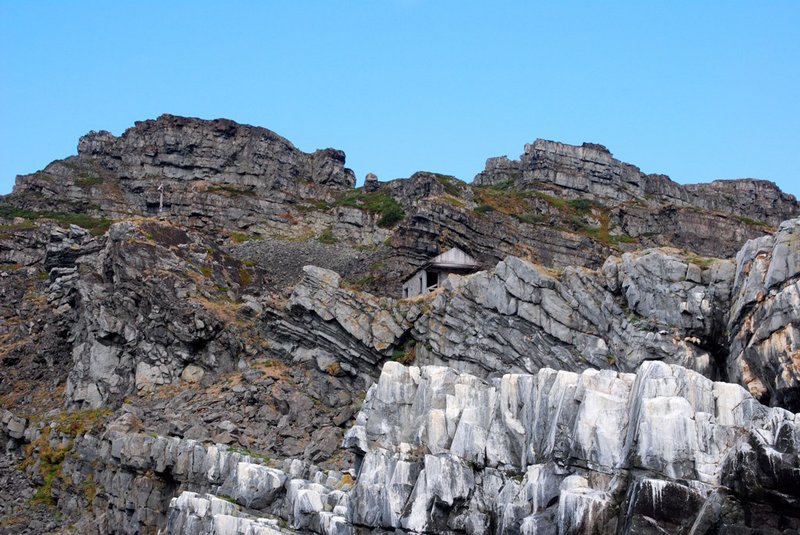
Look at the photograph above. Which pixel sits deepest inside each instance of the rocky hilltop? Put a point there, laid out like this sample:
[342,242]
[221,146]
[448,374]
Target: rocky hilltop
[202,333]
[559,205]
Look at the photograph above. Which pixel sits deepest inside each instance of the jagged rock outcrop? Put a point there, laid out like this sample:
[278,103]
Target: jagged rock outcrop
[711,219]
[559,205]
[764,321]
[181,372]
[209,174]
[220,151]
[142,315]
[559,452]
[35,333]
[590,170]
[658,304]
[649,306]
[340,330]
[586,170]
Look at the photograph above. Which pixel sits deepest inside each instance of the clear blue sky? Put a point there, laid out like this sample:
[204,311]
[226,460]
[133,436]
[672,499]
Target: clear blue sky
[696,90]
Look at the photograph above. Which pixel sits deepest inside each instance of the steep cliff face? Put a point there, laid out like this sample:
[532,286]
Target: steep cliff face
[650,208]
[623,363]
[662,450]
[560,452]
[559,205]
[590,170]
[763,322]
[206,174]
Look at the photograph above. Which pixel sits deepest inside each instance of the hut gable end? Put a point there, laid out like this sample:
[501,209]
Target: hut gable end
[432,274]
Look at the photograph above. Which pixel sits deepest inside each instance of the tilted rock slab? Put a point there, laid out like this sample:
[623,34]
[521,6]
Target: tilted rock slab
[337,327]
[561,452]
[657,304]
[138,319]
[520,317]
[764,321]
[209,174]
[590,169]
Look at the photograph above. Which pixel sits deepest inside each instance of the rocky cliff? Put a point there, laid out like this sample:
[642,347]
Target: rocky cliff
[559,205]
[211,361]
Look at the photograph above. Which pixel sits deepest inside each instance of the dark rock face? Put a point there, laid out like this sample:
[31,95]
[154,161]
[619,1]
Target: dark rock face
[764,322]
[220,151]
[614,369]
[211,173]
[590,170]
[559,205]
[143,318]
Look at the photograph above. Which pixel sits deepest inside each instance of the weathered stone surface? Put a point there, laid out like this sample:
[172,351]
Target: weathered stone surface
[642,306]
[558,205]
[184,341]
[202,174]
[141,321]
[254,486]
[594,451]
[350,331]
[590,170]
[764,322]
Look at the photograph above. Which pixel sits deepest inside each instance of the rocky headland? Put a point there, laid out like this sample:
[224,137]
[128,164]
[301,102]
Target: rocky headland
[202,333]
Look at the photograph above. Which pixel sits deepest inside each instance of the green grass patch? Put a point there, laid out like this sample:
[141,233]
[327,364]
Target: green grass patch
[362,282]
[531,219]
[455,201]
[327,236]
[87,180]
[51,458]
[232,191]
[244,277]
[753,222]
[702,262]
[405,356]
[582,206]
[452,185]
[379,203]
[504,185]
[241,237]
[96,226]
[624,238]
[558,203]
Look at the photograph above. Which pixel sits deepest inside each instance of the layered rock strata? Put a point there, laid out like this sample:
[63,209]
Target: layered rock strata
[764,321]
[559,205]
[590,170]
[662,451]
[657,304]
[151,366]
[653,305]
[210,174]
